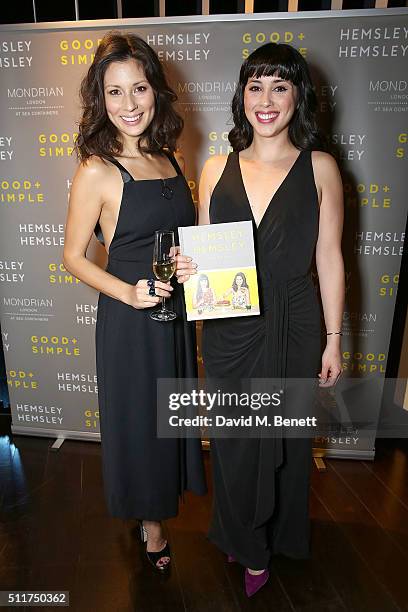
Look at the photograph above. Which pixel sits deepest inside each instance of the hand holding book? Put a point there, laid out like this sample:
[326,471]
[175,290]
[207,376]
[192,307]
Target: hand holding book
[217,268]
[185,267]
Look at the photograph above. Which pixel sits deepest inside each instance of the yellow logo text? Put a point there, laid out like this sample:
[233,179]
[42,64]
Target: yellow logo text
[57,145]
[19,379]
[54,345]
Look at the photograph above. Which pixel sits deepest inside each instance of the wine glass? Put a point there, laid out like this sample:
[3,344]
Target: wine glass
[164,266]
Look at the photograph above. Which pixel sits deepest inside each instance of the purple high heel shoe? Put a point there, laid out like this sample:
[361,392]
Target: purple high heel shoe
[255,582]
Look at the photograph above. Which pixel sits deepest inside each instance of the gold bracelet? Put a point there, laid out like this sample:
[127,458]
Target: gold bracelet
[334,333]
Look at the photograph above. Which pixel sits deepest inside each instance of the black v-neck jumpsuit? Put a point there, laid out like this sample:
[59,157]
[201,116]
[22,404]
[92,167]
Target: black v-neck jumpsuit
[261,486]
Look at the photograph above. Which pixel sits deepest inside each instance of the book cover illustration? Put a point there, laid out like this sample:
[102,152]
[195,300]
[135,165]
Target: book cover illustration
[226,282]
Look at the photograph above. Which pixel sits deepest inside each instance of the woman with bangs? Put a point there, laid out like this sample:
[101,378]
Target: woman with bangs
[127,186]
[280,177]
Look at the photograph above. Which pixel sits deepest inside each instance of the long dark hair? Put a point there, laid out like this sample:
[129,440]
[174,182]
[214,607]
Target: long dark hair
[199,293]
[97,135]
[244,281]
[286,62]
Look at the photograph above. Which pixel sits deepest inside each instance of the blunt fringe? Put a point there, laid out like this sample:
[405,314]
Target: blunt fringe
[284,61]
[97,135]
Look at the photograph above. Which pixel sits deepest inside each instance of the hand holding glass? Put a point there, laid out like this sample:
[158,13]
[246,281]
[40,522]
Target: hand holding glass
[164,266]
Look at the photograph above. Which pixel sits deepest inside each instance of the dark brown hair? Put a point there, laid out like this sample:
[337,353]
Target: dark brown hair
[244,281]
[287,63]
[97,134]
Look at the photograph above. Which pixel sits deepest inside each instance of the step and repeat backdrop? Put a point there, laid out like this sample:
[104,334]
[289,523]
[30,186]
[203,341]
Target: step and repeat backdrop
[48,317]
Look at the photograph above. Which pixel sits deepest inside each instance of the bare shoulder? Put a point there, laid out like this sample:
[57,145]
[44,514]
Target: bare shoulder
[92,171]
[96,181]
[211,174]
[326,172]
[213,168]
[216,162]
[96,174]
[324,162]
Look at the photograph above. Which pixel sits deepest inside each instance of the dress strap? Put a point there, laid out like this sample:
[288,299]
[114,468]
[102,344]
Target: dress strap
[98,234]
[173,161]
[126,176]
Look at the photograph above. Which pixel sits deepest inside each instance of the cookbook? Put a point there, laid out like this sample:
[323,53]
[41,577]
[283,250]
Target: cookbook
[225,284]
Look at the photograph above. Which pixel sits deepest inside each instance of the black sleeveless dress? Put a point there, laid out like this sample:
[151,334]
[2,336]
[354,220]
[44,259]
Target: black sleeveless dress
[261,486]
[144,475]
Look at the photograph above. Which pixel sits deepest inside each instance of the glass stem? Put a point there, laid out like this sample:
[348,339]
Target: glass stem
[163,308]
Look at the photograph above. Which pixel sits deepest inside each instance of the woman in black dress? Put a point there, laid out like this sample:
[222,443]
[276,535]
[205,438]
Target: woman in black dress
[127,186]
[278,177]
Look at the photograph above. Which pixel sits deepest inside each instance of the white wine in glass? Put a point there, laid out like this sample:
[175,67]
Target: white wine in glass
[164,266]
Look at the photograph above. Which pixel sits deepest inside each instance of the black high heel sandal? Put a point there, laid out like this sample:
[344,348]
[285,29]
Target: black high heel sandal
[154,557]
